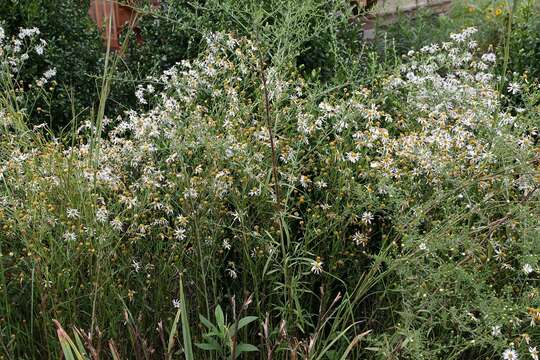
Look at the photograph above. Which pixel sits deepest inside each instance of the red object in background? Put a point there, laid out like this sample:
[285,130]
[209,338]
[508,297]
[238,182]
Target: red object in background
[111,17]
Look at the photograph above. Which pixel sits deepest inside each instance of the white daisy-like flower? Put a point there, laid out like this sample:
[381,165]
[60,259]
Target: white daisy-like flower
[527,269]
[510,354]
[117,224]
[39,49]
[533,352]
[514,88]
[190,193]
[321,184]
[70,236]
[180,233]
[72,213]
[360,239]
[489,57]
[304,181]
[49,73]
[353,157]
[136,265]
[102,215]
[367,217]
[316,266]
[139,94]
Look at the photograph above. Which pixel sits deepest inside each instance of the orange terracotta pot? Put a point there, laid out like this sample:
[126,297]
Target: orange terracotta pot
[111,17]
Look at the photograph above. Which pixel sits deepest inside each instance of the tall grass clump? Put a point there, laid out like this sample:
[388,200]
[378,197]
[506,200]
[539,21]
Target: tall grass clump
[249,213]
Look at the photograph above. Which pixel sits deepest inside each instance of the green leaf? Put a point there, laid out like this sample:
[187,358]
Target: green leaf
[246,320]
[208,324]
[220,318]
[186,334]
[207,346]
[245,348]
[353,343]
[172,333]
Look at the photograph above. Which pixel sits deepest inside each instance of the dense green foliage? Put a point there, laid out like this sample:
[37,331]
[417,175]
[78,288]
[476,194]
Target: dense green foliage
[73,43]
[254,181]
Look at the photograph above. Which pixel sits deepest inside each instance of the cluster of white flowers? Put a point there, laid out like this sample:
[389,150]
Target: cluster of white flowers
[14,54]
[198,163]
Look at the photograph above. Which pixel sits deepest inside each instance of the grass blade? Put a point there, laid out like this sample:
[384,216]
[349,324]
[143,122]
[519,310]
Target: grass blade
[186,334]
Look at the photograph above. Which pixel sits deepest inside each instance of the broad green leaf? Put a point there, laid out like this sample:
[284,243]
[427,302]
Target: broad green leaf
[245,348]
[207,346]
[208,324]
[246,320]
[220,318]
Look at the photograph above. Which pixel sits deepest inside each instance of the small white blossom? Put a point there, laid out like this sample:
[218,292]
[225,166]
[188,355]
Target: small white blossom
[139,94]
[321,184]
[102,215]
[70,236]
[49,73]
[316,266]
[353,157]
[226,245]
[527,269]
[489,57]
[180,233]
[533,352]
[367,217]
[514,88]
[360,239]
[39,49]
[28,33]
[304,181]
[190,193]
[72,213]
[136,265]
[117,224]
[510,354]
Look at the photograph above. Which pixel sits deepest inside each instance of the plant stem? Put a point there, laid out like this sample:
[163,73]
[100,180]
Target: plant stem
[508,36]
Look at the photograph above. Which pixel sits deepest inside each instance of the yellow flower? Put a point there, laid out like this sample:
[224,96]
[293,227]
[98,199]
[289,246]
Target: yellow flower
[498,12]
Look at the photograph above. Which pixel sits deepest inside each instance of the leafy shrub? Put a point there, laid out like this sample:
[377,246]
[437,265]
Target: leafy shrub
[470,289]
[296,33]
[490,17]
[73,43]
[411,203]
[524,41]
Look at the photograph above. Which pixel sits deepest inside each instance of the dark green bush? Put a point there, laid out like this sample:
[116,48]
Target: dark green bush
[74,48]
[525,42]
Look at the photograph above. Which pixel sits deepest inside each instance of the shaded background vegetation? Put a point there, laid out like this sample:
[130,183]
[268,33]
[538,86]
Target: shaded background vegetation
[326,48]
